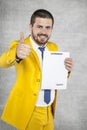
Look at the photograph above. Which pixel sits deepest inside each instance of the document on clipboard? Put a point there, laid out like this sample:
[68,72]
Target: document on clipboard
[54,74]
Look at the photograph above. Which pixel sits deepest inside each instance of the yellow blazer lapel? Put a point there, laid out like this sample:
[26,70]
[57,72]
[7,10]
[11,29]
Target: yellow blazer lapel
[36,57]
[27,40]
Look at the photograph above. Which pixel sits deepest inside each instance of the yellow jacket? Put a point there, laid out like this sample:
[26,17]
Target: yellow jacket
[22,99]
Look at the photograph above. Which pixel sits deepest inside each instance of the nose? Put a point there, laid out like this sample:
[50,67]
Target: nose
[44,30]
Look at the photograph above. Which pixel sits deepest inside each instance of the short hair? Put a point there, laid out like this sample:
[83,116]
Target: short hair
[41,13]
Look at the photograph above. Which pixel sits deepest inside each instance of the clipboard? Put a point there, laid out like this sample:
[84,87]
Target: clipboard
[54,74]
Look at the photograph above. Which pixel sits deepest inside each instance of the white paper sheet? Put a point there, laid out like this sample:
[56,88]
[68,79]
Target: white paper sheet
[54,74]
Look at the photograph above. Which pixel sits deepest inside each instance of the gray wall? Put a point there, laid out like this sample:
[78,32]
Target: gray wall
[70,33]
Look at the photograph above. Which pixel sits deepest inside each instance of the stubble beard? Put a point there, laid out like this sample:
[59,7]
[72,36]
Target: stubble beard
[40,42]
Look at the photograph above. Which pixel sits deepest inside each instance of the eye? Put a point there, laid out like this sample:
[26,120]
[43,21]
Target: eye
[48,27]
[39,26]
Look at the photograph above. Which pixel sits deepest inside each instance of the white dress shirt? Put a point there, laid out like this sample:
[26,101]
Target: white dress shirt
[40,100]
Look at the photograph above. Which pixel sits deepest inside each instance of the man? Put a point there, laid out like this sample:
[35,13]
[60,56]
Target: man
[26,108]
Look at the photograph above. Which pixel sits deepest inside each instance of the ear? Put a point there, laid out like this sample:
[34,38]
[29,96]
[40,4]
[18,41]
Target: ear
[30,27]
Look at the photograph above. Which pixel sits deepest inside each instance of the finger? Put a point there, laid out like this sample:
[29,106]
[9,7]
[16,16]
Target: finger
[68,60]
[21,37]
[26,46]
[68,68]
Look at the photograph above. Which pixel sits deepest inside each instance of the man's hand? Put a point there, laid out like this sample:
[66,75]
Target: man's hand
[23,49]
[68,64]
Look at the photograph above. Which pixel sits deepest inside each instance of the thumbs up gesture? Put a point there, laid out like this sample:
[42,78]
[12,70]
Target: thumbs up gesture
[23,49]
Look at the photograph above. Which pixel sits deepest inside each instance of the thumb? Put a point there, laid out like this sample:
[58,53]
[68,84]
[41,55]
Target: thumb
[21,37]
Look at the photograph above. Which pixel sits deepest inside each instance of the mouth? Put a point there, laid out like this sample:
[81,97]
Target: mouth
[43,36]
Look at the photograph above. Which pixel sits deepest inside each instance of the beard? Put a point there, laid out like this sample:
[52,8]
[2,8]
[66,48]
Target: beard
[40,39]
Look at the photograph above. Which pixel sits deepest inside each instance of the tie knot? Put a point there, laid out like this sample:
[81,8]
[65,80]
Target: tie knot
[42,49]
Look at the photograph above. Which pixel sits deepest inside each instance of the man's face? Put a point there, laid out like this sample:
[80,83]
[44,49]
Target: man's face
[41,30]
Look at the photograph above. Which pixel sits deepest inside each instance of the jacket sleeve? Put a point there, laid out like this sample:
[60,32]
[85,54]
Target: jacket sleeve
[69,74]
[8,58]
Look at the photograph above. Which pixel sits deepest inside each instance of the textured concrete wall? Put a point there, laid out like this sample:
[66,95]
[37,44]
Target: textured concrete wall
[70,33]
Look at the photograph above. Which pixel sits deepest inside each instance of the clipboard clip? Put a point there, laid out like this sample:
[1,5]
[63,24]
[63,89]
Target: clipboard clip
[54,53]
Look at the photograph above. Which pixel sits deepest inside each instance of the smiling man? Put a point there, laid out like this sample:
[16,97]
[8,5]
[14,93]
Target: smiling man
[28,106]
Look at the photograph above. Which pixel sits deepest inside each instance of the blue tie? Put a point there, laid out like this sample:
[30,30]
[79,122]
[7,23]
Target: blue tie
[46,92]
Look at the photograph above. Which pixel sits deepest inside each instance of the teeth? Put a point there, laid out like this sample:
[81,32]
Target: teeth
[42,36]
